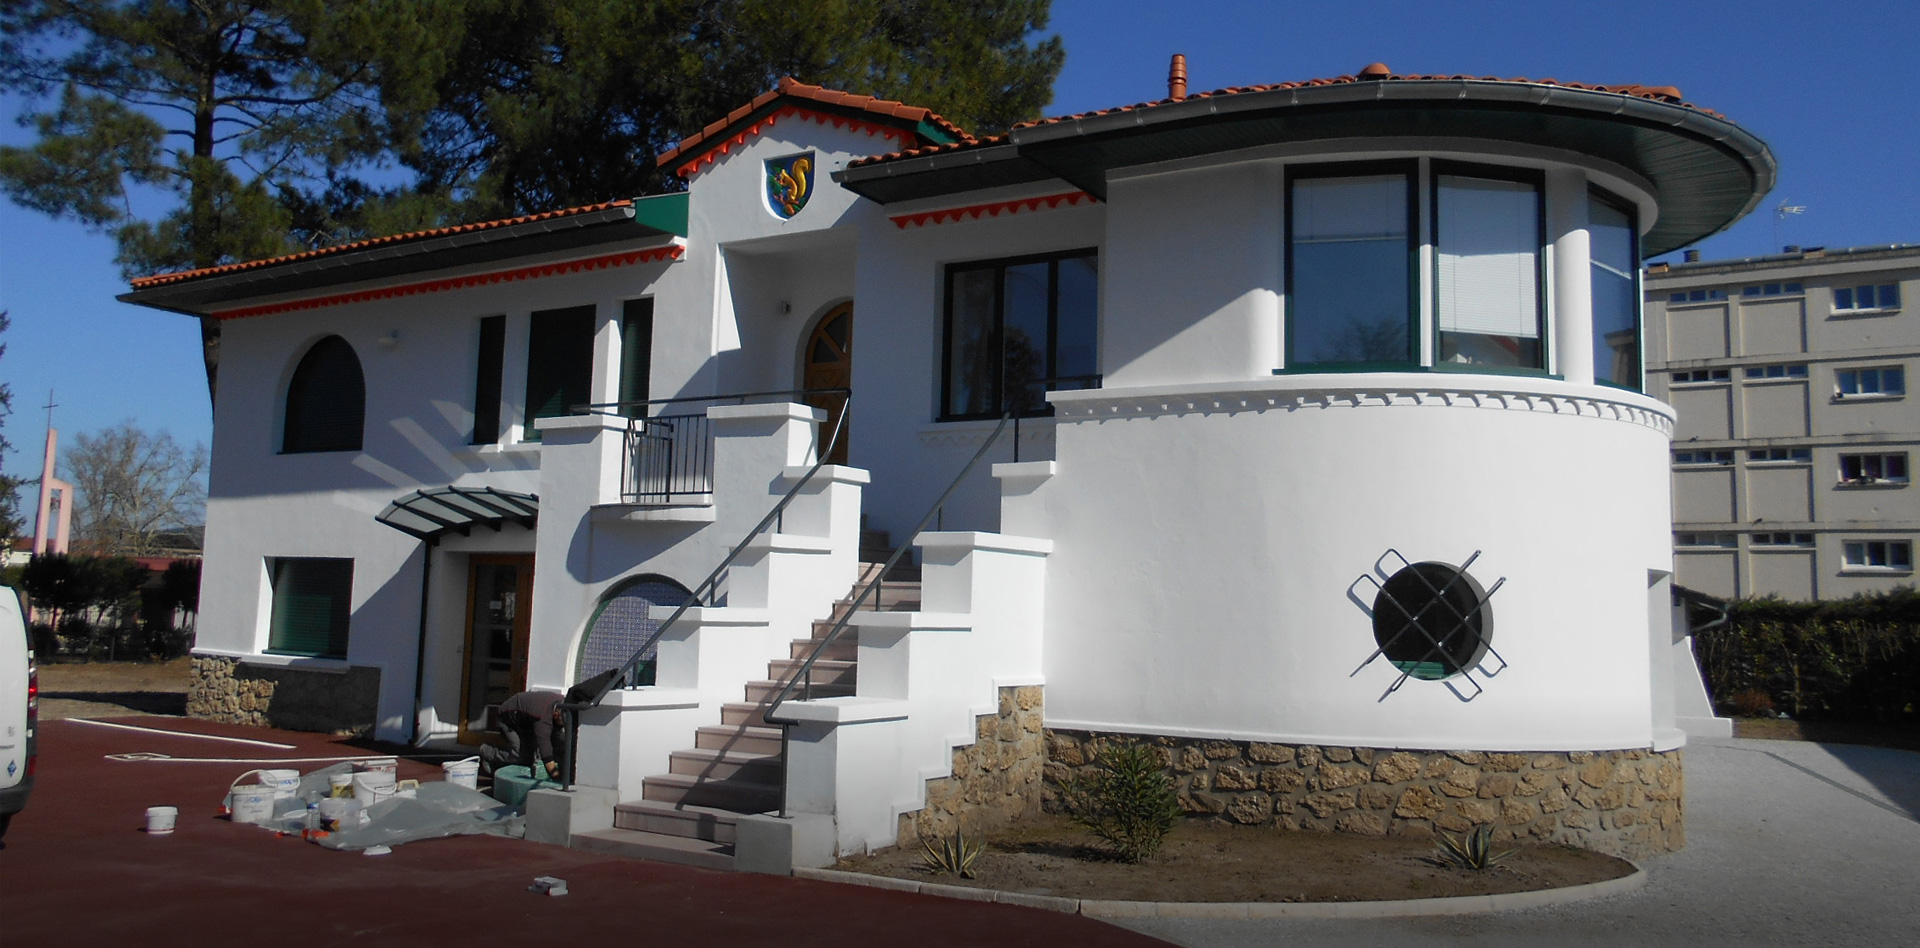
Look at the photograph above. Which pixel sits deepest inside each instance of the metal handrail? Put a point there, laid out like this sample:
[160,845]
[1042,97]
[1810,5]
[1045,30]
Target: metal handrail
[628,670]
[613,408]
[803,677]
[805,672]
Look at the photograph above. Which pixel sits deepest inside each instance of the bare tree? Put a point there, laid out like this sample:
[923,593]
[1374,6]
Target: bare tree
[136,489]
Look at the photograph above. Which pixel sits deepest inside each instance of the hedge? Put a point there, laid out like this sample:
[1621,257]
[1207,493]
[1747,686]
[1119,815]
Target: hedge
[1854,659]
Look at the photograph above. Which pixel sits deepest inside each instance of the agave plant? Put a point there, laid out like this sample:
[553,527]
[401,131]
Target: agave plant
[953,856]
[1474,851]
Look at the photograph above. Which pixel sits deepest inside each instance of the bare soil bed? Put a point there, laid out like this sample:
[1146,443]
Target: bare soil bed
[1215,862]
[112,689]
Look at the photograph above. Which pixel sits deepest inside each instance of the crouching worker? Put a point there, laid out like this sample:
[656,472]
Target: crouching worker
[530,722]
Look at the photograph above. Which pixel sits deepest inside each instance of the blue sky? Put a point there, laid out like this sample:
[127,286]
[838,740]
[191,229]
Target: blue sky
[1826,85]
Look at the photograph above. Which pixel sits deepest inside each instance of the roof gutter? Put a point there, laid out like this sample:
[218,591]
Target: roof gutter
[152,295]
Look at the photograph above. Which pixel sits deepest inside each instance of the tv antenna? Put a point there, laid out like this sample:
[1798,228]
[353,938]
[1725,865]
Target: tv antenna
[1780,213]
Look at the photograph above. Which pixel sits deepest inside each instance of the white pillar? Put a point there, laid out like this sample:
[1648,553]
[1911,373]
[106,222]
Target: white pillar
[1572,275]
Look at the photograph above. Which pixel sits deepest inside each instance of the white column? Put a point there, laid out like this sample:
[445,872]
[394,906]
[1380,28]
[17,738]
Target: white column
[1572,275]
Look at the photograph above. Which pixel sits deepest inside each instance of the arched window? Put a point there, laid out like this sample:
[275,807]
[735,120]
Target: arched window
[326,401]
[622,624]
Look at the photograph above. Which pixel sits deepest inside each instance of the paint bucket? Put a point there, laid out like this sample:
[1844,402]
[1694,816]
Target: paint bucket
[384,765]
[252,803]
[338,813]
[339,785]
[463,773]
[373,786]
[160,819]
[285,783]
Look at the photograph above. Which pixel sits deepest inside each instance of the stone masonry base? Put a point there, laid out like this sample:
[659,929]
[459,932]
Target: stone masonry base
[995,780]
[1622,802]
[229,690]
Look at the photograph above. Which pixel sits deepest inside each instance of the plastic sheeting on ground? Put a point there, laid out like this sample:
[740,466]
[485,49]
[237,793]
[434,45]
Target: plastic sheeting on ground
[437,810]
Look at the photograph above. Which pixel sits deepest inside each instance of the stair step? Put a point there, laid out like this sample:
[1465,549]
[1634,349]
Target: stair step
[846,648]
[725,765]
[666,819]
[743,713]
[741,796]
[746,740]
[763,692]
[824,671]
[635,844]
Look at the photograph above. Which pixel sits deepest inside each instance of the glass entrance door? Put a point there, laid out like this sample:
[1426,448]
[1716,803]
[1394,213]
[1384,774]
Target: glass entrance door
[499,610]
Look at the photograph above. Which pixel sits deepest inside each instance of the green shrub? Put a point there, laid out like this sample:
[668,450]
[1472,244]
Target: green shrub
[1127,801]
[1855,659]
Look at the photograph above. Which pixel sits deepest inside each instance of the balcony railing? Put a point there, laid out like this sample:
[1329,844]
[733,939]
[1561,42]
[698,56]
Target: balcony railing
[667,459]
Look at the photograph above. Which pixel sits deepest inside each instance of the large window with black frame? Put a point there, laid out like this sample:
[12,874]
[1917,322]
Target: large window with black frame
[1016,329]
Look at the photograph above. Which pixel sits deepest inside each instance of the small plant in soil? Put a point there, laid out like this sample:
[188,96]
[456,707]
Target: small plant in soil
[1473,851]
[1127,801]
[953,855]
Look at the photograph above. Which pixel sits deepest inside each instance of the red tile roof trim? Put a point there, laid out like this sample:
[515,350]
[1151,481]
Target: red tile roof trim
[995,209]
[789,87]
[162,279]
[606,261]
[1373,73]
[712,154]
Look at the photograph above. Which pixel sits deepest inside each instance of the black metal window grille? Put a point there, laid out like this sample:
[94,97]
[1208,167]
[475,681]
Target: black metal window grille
[1430,620]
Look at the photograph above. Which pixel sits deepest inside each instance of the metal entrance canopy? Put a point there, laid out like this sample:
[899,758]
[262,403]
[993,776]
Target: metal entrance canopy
[431,514]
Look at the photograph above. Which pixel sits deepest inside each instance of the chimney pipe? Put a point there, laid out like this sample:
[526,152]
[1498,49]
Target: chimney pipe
[1693,256]
[1177,77]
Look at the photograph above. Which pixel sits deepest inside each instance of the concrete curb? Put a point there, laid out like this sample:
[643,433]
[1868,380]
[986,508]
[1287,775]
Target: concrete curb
[1101,908]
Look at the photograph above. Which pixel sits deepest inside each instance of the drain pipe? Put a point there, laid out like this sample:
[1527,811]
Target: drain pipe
[420,645]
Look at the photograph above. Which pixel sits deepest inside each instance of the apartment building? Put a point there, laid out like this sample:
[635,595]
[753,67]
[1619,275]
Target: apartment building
[1792,453]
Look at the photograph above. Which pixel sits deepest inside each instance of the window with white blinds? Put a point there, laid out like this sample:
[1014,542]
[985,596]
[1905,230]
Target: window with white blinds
[1488,267]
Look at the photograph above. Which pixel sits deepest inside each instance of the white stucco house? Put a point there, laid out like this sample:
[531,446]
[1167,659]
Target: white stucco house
[1332,476]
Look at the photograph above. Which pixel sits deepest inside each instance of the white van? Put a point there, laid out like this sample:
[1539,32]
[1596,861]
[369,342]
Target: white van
[19,707]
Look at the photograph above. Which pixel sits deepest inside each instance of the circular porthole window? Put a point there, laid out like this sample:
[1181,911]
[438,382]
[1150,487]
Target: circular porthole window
[1431,621]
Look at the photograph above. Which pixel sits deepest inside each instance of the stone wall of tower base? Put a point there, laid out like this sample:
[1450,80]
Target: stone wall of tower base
[230,690]
[1620,802]
[995,780]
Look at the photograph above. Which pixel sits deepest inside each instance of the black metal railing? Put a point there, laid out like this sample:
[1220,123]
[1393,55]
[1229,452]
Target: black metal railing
[590,693]
[668,459]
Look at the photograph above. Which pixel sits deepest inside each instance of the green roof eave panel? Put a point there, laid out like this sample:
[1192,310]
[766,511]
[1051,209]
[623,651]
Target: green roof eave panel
[664,213]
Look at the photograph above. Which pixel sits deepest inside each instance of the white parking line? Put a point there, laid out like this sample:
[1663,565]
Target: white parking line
[204,737]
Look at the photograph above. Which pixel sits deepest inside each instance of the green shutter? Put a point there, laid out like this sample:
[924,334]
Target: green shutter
[559,363]
[636,356]
[312,601]
[486,386]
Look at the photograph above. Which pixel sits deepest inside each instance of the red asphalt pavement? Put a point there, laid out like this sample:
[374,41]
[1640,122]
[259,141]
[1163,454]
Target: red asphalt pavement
[77,869]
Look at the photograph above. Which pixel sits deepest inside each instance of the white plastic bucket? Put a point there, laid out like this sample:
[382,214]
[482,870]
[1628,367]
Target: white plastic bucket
[463,773]
[340,785]
[160,819]
[285,783]
[373,786]
[338,814]
[386,765]
[252,803]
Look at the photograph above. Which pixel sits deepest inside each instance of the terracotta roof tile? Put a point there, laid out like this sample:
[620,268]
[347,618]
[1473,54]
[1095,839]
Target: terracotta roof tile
[792,88]
[1374,72]
[162,279]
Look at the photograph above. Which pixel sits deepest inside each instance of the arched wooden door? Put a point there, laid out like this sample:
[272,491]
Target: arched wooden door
[828,361]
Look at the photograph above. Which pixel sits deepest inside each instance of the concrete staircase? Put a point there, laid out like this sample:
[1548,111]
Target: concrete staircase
[689,814]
